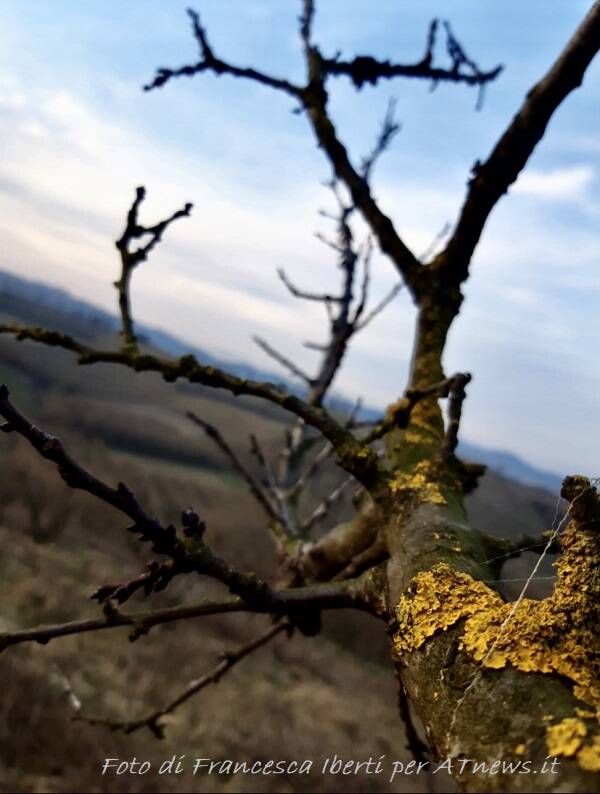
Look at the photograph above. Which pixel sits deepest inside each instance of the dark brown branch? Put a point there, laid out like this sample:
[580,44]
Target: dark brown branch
[132,258]
[338,595]
[314,99]
[366,69]
[154,721]
[187,556]
[141,622]
[155,578]
[238,466]
[309,296]
[456,397]
[210,63]
[398,413]
[491,179]
[306,21]
[344,322]
[351,454]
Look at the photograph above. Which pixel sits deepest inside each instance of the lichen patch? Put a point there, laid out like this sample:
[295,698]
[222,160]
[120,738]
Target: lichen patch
[423,481]
[557,635]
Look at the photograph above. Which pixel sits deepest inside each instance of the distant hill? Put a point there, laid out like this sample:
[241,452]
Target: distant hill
[20,296]
[511,466]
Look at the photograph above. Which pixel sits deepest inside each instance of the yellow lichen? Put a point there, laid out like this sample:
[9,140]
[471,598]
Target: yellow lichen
[436,600]
[414,437]
[557,635]
[584,714]
[566,737]
[422,481]
[589,756]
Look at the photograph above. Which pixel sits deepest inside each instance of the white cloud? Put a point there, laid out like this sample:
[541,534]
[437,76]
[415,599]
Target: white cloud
[212,281]
[560,184]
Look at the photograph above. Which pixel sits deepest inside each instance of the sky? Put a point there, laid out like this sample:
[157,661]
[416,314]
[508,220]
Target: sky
[78,135]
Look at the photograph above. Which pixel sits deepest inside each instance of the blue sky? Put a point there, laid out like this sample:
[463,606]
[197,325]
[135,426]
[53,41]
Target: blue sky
[79,135]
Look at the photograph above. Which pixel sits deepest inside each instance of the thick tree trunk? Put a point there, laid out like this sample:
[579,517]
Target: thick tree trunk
[491,688]
[471,710]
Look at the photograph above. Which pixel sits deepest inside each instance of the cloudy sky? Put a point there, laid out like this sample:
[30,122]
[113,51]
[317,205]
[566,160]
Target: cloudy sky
[78,135]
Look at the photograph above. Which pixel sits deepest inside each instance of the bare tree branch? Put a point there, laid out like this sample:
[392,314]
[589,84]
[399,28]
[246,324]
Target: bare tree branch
[310,296]
[337,595]
[154,720]
[131,259]
[187,556]
[491,179]
[383,303]
[210,63]
[279,498]
[398,413]
[365,69]
[309,471]
[314,99]
[457,394]
[238,466]
[389,129]
[283,360]
[321,511]
[350,453]
[141,622]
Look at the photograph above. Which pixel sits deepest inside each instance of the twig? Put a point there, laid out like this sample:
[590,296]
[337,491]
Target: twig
[337,595]
[192,555]
[383,303]
[350,453]
[154,720]
[365,69]
[321,511]
[322,455]
[278,496]
[457,394]
[389,129]
[399,413]
[281,359]
[254,487]
[130,259]
[322,297]
[210,63]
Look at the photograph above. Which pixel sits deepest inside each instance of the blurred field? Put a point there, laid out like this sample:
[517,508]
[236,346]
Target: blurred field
[299,698]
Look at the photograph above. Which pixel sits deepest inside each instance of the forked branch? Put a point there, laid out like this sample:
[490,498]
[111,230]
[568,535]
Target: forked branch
[131,258]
